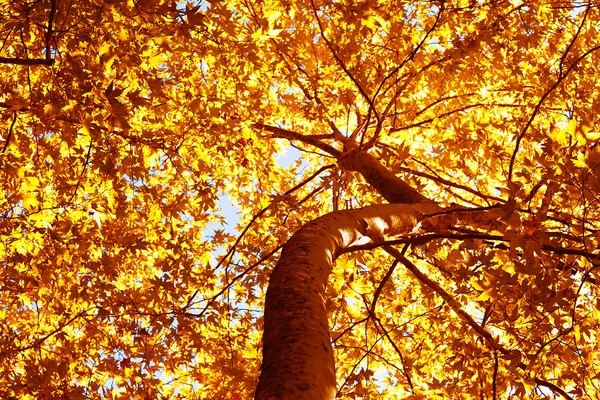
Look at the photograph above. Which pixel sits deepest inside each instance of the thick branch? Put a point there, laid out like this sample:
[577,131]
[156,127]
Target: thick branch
[452,302]
[297,355]
[388,185]
[456,307]
[26,61]
[291,135]
[446,182]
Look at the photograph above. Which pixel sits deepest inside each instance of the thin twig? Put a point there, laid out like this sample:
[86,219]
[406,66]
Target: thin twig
[572,42]
[539,105]
[341,63]
[495,376]
[243,233]
[456,307]
[409,57]
[230,284]
[452,302]
[49,29]
[10,131]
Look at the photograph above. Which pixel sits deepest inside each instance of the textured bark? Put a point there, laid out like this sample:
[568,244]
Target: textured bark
[388,185]
[297,354]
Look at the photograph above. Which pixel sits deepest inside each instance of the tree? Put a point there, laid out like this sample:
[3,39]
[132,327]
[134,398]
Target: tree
[126,125]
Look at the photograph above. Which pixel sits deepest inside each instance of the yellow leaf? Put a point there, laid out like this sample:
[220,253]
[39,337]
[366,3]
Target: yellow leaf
[355,310]
[51,109]
[257,35]
[483,296]
[577,333]
[104,48]
[274,32]
[592,135]
[580,160]
[30,200]
[31,183]
[42,219]
[272,17]
[157,60]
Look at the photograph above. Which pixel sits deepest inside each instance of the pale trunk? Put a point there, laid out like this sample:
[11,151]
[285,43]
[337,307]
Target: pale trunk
[298,358]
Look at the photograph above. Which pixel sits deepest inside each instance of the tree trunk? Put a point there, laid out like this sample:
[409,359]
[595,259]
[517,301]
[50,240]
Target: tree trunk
[298,358]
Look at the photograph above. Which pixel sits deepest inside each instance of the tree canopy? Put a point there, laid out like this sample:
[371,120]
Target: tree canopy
[126,124]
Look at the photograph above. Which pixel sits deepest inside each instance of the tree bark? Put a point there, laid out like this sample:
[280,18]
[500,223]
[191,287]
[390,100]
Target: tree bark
[298,358]
[27,61]
[388,185]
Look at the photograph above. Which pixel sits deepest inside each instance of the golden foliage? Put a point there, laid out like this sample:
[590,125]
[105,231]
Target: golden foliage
[126,125]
